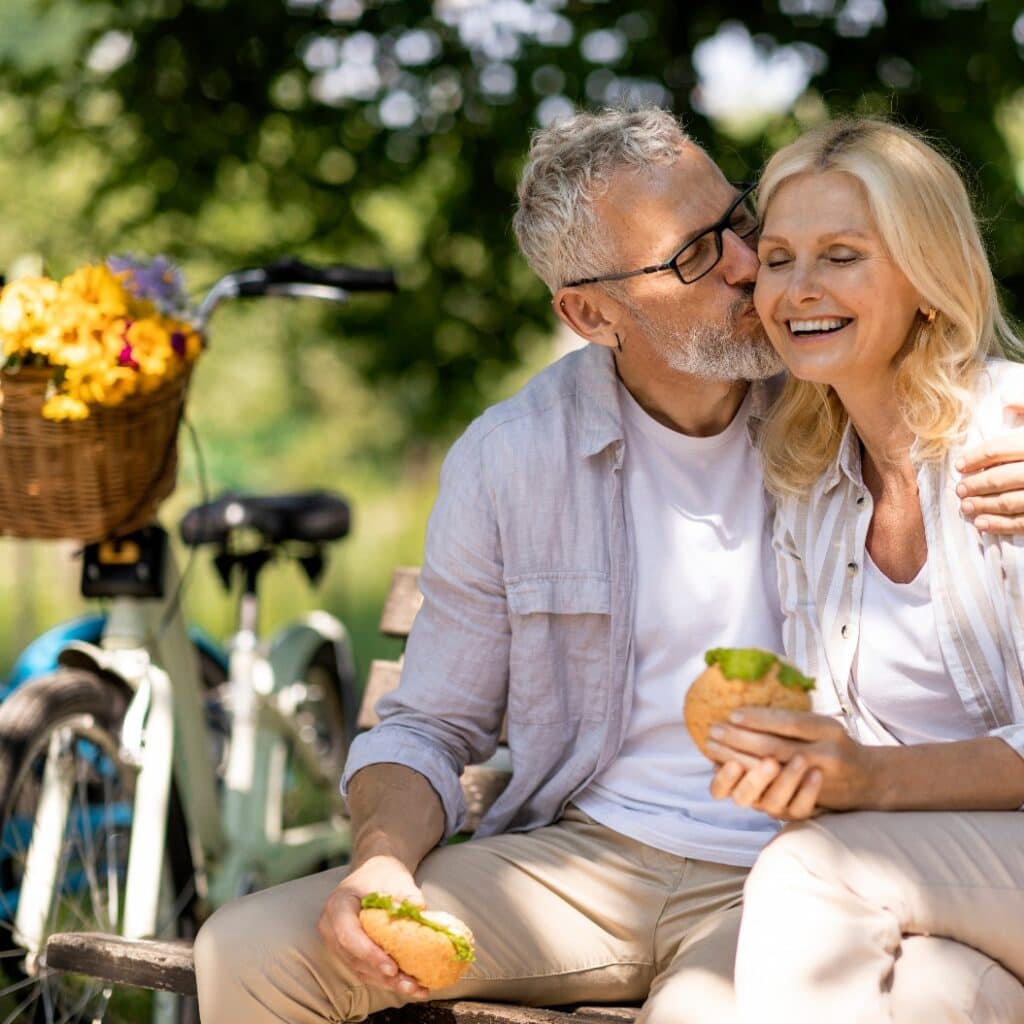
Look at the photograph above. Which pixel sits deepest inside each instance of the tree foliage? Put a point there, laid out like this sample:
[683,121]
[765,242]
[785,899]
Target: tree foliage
[391,132]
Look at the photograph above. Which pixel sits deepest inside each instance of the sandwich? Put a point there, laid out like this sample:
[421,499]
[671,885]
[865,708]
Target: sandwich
[431,946]
[742,677]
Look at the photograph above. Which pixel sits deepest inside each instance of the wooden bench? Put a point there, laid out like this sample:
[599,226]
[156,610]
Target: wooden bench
[169,965]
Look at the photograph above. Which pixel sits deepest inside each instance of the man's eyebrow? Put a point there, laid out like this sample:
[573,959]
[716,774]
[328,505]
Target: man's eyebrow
[828,237]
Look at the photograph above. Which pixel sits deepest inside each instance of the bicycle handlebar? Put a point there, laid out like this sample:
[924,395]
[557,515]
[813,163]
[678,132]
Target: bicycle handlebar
[291,276]
[294,271]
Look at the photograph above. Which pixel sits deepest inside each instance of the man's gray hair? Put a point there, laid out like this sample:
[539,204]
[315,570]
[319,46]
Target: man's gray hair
[570,165]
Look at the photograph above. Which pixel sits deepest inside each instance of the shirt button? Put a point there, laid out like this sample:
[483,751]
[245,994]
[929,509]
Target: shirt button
[860,500]
[851,567]
[845,631]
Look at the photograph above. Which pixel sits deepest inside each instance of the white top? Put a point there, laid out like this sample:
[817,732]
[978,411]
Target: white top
[705,578]
[899,678]
[976,580]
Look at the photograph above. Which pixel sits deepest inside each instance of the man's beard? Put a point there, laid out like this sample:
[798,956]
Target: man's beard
[733,348]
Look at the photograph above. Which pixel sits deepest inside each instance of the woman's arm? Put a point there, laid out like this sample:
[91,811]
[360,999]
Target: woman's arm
[780,751]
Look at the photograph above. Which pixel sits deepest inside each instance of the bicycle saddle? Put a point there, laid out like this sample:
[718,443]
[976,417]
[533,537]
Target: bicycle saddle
[312,516]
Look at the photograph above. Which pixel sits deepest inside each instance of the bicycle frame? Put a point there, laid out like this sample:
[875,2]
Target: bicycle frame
[236,845]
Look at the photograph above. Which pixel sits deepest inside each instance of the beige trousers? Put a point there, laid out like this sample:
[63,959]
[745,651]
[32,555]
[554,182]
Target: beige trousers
[874,917]
[570,913]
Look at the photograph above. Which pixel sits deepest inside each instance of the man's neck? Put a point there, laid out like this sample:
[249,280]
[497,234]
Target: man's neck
[687,404]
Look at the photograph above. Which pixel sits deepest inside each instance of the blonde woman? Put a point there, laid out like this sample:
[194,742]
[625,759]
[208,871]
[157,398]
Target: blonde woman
[876,291]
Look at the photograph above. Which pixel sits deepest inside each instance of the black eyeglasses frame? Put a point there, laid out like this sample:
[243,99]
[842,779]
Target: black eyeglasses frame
[718,228]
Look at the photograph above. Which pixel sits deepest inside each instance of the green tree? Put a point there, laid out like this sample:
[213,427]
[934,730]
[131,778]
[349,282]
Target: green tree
[389,131]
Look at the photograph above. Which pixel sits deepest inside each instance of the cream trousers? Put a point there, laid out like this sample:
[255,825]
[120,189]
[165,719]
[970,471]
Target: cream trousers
[878,917]
[570,913]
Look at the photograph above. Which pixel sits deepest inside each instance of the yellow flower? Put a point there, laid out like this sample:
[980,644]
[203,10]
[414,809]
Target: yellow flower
[99,383]
[96,288]
[64,407]
[25,309]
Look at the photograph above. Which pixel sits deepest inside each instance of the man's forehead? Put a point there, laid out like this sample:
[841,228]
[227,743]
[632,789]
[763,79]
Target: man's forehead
[663,203]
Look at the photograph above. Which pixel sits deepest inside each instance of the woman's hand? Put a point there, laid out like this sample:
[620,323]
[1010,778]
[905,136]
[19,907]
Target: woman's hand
[789,764]
[991,488]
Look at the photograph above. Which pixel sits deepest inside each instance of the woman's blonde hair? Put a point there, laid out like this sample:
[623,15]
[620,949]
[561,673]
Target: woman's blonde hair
[926,223]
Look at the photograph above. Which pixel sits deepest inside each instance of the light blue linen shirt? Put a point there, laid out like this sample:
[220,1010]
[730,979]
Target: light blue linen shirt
[528,586]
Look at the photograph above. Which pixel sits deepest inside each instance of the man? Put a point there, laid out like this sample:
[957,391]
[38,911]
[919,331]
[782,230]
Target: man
[593,536]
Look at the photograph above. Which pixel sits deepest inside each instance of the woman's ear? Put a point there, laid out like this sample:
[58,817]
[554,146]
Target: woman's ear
[588,316]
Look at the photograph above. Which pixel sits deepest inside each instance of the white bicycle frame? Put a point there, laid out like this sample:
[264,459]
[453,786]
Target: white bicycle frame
[237,843]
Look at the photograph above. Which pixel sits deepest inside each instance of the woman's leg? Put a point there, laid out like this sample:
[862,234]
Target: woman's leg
[830,900]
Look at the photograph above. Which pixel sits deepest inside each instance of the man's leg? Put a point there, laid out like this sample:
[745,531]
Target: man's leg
[696,987]
[560,915]
[830,900]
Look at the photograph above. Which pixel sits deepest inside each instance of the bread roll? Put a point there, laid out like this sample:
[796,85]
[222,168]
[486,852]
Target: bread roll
[737,678]
[433,947]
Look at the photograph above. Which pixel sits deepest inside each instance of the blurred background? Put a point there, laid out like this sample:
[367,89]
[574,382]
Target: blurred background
[389,133]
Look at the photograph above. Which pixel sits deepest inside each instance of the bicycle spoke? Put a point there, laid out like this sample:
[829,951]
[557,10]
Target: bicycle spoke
[88,864]
[16,1015]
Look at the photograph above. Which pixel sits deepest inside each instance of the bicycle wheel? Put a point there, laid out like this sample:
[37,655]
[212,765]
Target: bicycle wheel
[324,718]
[75,715]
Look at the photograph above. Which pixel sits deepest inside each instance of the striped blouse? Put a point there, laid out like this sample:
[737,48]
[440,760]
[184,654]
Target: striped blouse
[976,580]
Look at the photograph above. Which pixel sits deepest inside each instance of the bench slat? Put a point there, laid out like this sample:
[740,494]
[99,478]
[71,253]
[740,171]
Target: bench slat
[468,1012]
[383,678]
[482,784]
[145,963]
[402,603]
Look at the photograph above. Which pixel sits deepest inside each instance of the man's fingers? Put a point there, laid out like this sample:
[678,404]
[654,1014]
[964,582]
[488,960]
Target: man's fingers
[1000,524]
[1009,504]
[996,451]
[340,925]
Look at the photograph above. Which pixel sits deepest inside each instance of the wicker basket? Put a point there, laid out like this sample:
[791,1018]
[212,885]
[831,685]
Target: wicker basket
[84,479]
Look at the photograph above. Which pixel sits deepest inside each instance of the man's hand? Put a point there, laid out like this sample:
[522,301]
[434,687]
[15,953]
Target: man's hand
[339,924]
[789,764]
[991,489]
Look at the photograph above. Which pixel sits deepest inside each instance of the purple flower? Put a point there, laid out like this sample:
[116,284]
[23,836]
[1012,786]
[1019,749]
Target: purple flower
[156,280]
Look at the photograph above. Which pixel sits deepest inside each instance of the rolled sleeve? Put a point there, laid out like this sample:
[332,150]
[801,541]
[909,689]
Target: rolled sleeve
[447,710]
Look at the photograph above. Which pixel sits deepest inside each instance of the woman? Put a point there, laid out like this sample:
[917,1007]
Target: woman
[876,291]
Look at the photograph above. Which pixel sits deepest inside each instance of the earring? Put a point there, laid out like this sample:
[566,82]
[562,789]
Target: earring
[618,341]
[931,315]
[561,305]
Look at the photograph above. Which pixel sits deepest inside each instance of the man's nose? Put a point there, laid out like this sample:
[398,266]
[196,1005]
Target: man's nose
[739,261]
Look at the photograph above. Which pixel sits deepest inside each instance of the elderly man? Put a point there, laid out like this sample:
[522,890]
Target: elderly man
[593,536]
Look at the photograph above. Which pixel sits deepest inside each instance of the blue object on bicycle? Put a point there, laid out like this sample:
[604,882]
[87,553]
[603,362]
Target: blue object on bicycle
[40,657]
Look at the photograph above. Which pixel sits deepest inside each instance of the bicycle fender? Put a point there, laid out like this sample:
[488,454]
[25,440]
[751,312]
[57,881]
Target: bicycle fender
[41,656]
[292,646]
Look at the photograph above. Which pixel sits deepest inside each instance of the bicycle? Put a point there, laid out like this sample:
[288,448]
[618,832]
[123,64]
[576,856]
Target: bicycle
[150,778]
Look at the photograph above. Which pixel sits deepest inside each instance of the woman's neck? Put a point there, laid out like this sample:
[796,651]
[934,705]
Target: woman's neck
[883,431]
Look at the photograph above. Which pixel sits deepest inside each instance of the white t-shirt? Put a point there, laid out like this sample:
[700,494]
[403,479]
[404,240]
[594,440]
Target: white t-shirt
[900,680]
[705,578]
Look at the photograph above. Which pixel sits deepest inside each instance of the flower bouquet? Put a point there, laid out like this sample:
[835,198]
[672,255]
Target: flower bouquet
[92,385]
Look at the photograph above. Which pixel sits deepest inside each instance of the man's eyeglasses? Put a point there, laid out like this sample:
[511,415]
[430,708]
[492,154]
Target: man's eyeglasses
[699,255]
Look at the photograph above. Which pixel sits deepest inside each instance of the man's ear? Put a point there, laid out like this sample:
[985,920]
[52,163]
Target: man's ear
[591,316]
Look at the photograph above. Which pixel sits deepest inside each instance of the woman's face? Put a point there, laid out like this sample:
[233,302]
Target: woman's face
[835,306]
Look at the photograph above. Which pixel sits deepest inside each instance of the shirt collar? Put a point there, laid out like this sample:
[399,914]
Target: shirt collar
[597,400]
[846,463]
